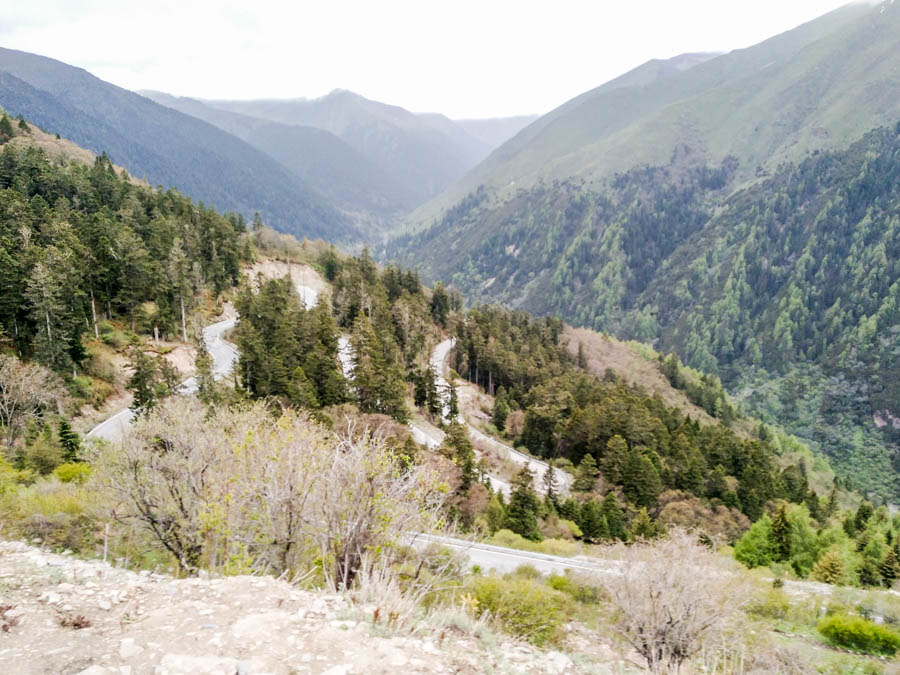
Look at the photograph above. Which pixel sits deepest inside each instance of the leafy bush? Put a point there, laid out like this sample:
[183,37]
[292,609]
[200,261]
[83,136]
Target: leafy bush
[854,632]
[73,472]
[63,516]
[522,607]
[772,605]
[581,592]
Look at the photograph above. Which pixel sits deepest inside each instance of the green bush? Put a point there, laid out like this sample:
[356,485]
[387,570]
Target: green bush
[73,472]
[523,607]
[854,632]
[581,592]
[772,605]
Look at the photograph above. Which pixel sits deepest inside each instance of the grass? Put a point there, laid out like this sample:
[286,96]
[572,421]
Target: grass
[560,547]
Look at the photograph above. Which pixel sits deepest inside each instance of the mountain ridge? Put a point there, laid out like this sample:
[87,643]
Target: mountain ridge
[164,146]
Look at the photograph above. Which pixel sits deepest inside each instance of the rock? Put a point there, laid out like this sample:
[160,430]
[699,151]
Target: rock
[128,649]
[94,670]
[557,663]
[260,626]
[343,669]
[104,605]
[183,664]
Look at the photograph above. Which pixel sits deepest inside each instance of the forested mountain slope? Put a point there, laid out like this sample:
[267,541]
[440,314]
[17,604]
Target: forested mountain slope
[165,146]
[788,289]
[820,85]
[80,245]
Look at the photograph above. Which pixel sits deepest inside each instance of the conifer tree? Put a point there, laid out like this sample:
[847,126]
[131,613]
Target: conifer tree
[643,527]
[614,517]
[432,395]
[640,480]
[500,410]
[830,567]
[551,485]
[521,514]
[6,129]
[458,448]
[206,384]
[586,474]
[889,568]
[69,440]
[780,534]
[615,459]
[592,522]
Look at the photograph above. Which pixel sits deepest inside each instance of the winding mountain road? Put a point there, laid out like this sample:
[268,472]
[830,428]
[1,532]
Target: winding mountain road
[224,355]
[537,467]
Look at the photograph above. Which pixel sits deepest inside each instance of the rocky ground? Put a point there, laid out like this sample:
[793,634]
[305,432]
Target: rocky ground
[62,615]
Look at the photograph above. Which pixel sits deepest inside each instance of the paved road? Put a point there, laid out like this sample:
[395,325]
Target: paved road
[224,356]
[502,559]
[536,466]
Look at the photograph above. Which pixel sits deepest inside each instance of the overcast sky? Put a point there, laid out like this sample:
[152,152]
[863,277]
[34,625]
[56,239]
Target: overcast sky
[466,58]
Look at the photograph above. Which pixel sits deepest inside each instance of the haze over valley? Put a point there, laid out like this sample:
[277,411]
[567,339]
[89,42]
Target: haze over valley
[561,341]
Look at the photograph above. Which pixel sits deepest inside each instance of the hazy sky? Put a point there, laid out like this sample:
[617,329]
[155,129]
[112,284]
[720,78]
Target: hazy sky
[466,58]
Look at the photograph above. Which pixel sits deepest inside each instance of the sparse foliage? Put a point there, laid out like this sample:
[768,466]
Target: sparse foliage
[670,595]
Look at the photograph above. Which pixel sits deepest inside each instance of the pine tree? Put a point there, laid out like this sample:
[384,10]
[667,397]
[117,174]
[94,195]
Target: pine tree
[717,486]
[615,519]
[831,507]
[614,459]
[500,410]
[863,513]
[643,527]
[591,521]
[830,568]
[586,474]
[6,129]
[582,359]
[459,449]
[521,514]
[780,534]
[432,395]
[453,403]
[69,440]
[889,568]
[206,384]
[551,485]
[640,480]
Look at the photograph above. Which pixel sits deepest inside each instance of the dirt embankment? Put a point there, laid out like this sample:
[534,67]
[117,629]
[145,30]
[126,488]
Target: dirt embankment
[302,275]
[62,615]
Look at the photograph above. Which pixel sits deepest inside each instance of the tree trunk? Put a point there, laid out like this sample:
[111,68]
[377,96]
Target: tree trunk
[156,334]
[183,321]
[94,316]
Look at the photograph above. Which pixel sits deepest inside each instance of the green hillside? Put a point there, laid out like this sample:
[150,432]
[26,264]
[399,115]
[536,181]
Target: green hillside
[820,85]
[787,289]
[165,147]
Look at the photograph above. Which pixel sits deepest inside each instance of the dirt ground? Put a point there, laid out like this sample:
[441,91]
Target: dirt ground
[63,616]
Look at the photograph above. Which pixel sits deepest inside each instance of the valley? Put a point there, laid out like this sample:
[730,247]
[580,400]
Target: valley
[612,388]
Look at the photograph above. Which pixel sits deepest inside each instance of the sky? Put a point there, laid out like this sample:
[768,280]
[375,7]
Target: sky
[466,59]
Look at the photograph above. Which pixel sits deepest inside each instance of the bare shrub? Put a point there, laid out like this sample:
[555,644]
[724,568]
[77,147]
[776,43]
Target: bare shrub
[238,490]
[26,390]
[673,596]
